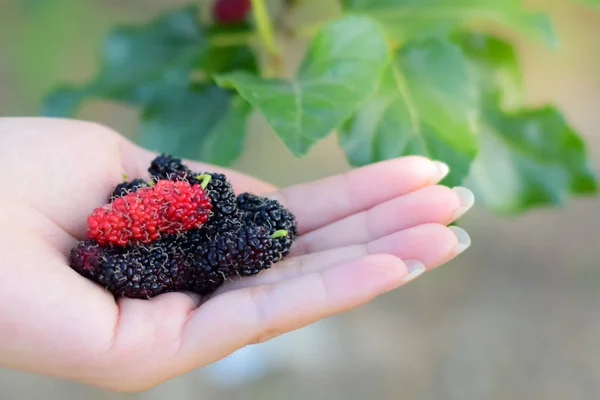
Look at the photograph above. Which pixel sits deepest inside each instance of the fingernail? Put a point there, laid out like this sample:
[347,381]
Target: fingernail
[467,199]
[442,169]
[464,241]
[414,268]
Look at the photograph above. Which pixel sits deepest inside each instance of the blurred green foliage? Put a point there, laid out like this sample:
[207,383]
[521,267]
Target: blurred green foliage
[391,77]
[46,32]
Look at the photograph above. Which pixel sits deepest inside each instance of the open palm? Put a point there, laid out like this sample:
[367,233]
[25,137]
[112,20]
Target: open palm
[355,231]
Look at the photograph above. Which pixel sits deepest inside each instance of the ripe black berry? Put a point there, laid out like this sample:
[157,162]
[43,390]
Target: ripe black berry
[270,214]
[168,167]
[225,215]
[135,272]
[124,188]
[244,252]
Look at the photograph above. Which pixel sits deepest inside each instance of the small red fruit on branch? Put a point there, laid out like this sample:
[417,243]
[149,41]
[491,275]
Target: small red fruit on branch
[231,11]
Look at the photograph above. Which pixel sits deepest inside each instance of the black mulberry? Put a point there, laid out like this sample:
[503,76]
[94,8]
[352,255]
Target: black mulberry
[124,188]
[135,272]
[244,252]
[270,214]
[168,167]
[225,214]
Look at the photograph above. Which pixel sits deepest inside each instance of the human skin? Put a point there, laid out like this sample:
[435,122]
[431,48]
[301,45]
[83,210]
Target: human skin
[363,234]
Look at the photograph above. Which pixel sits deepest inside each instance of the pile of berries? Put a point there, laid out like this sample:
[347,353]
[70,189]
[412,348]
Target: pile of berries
[180,231]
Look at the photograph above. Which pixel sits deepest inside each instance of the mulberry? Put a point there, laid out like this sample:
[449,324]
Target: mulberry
[270,214]
[245,252]
[225,215]
[168,167]
[125,188]
[135,272]
[181,231]
[165,208]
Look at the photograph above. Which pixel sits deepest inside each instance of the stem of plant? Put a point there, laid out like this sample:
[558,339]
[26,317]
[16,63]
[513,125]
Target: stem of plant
[279,233]
[205,180]
[232,39]
[267,35]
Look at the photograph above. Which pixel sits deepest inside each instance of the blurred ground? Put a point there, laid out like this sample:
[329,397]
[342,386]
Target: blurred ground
[514,317]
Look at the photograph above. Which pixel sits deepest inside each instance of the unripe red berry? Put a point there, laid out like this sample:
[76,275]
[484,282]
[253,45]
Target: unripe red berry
[143,216]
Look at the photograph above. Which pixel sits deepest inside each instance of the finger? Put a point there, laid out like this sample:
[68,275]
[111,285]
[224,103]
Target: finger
[323,202]
[432,204]
[430,244]
[235,319]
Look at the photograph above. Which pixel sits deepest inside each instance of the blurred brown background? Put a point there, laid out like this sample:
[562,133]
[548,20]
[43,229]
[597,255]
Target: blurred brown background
[516,317]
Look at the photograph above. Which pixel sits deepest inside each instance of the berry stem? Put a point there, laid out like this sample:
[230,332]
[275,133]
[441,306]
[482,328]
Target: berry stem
[279,233]
[124,177]
[266,33]
[205,180]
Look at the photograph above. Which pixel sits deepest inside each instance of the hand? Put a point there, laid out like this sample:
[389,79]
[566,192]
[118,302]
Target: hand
[355,231]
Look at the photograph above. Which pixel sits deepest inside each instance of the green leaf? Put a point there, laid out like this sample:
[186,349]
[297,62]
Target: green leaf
[224,143]
[141,64]
[219,60]
[225,54]
[153,66]
[494,66]
[529,158]
[187,120]
[342,67]
[425,105]
[413,18]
